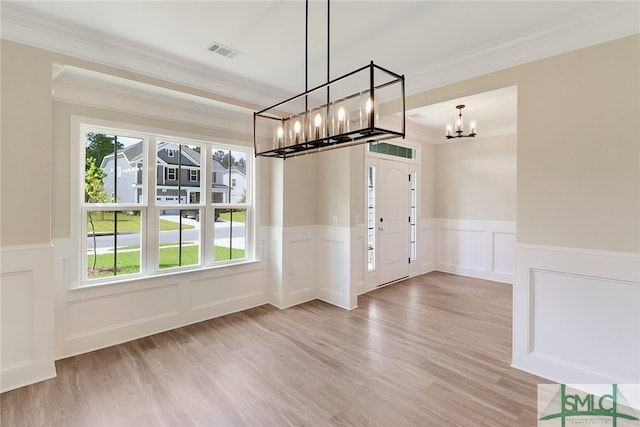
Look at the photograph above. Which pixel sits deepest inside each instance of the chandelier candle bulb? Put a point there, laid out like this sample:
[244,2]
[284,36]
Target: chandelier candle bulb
[317,122]
[296,131]
[448,130]
[369,112]
[341,117]
[280,135]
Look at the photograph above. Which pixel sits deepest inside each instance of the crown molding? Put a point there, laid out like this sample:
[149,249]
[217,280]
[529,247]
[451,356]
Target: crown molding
[613,20]
[89,88]
[33,29]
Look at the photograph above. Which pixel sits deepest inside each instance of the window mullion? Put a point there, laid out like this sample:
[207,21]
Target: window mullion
[150,237]
[84,233]
[208,217]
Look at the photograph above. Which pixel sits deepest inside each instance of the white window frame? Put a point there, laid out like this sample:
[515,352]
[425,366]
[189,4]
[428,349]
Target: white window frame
[192,174]
[148,210]
[171,171]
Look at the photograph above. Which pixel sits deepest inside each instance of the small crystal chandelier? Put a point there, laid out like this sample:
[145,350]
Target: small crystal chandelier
[459,126]
[359,107]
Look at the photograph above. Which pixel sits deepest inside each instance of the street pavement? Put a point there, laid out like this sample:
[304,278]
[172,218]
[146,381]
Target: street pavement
[223,231]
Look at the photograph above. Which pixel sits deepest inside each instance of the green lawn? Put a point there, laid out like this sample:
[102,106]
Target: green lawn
[129,262]
[103,223]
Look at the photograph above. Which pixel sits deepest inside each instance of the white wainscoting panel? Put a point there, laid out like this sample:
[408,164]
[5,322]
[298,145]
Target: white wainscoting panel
[426,250]
[302,266]
[503,256]
[225,290]
[358,262]
[275,269]
[334,267]
[27,316]
[577,315]
[94,317]
[298,265]
[316,264]
[475,248]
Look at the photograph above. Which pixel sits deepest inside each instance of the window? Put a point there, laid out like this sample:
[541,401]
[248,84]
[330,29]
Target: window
[110,211]
[232,212]
[170,153]
[371,219]
[137,223]
[171,174]
[392,150]
[413,181]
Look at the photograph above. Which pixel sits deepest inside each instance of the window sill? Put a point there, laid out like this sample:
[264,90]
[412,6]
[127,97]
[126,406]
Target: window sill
[210,271]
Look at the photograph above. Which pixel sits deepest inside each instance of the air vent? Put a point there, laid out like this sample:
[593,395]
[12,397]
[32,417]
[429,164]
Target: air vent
[223,50]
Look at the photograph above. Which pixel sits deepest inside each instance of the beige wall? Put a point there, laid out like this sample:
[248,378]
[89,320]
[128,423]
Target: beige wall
[356,174]
[579,149]
[476,179]
[340,187]
[25,146]
[333,188]
[578,180]
[427,179]
[578,177]
[299,191]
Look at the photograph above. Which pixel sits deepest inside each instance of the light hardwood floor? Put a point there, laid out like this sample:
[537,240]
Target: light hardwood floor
[432,351]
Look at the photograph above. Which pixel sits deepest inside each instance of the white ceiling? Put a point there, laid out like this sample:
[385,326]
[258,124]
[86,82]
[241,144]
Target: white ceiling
[431,42]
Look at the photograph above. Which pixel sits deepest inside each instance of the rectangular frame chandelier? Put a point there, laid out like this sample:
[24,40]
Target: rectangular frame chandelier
[365,105]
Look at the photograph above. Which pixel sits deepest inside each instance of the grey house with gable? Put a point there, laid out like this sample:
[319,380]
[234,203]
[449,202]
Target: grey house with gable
[178,176]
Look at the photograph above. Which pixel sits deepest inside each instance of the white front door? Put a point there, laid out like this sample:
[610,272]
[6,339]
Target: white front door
[391,220]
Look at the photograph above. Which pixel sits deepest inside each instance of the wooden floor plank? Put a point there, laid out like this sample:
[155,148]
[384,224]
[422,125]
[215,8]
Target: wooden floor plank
[433,350]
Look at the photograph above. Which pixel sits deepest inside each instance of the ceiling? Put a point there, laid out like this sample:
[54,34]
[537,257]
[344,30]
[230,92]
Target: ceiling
[431,42]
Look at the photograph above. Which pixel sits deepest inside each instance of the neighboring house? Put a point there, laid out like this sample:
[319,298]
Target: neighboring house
[127,168]
[219,189]
[236,179]
[177,176]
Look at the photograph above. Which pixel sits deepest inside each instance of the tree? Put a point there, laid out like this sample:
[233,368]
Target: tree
[225,158]
[241,162]
[93,193]
[228,160]
[218,155]
[100,145]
